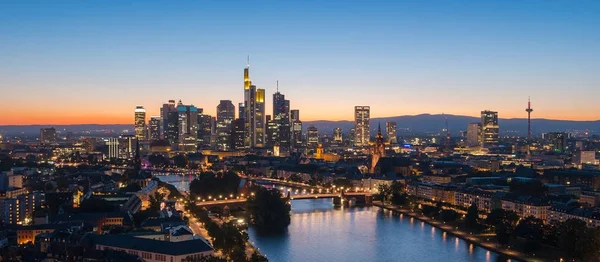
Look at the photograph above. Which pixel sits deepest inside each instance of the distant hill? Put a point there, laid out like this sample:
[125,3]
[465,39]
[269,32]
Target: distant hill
[417,124]
[456,123]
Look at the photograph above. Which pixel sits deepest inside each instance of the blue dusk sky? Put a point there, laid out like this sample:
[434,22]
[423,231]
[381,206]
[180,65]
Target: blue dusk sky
[72,62]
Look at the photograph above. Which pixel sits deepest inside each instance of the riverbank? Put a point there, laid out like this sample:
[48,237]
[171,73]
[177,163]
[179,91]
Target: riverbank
[492,246]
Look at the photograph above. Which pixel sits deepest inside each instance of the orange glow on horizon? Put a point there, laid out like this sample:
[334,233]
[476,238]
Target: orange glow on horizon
[106,118]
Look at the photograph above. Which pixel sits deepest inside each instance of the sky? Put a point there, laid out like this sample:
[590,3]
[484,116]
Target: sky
[76,62]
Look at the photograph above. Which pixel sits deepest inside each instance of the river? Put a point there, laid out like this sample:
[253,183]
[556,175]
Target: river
[320,232]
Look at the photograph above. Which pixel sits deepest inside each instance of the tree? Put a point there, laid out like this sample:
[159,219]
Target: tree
[579,241]
[399,199]
[448,215]
[268,211]
[500,215]
[155,201]
[6,163]
[531,229]
[296,178]
[258,257]
[180,161]
[384,192]
[157,160]
[472,217]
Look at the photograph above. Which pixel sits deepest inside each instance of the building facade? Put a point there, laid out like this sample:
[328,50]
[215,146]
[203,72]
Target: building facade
[225,117]
[489,129]
[362,117]
[140,122]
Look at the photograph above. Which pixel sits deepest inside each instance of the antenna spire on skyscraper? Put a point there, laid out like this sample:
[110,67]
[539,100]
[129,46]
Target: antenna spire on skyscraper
[248,63]
[277,86]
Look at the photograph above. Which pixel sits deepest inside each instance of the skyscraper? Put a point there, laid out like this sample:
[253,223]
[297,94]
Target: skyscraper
[337,136]
[237,134]
[205,123]
[361,122]
[390,130]
[296,138]
[474,134]
[241,111]
[281,116]
[188,127]
[140,123]
[225,117]
[295,114]
[255,117]
[48,135]
[164,114]
[312,137]
[489,128]
[154,125]
[113,148]
[272,133]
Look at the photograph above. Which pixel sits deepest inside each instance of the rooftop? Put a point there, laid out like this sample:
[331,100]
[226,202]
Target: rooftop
[153,246]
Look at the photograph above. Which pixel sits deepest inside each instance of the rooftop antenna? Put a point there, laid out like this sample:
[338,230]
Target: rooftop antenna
[248,63]
[277,86]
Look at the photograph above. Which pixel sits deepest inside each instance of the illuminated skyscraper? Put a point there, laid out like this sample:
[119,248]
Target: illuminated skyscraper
[140,123]
[295,114]
[164,115]
[390,130]
[337,135]
[272,133]
[154,128]
[281,116]
[237,134]
[188,127]
[312,137]
[225,117]
[48,135]
[113,148]
[205,123]
[362,117]
[489,129]
[241,111]
[474,134]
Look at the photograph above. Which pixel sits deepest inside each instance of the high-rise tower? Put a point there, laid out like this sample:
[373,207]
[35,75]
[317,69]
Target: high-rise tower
[529,110]
[489,128]
[361,121]
[140,123]
[225,117]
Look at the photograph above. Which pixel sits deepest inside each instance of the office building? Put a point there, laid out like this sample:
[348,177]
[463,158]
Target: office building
[294,115]
[238,134]
[489,129]
[351,136]
[556,140]
[241,111]
[281,116]
[127,145]
[89,144]
[390,130]
[312,137]
[337,136]
[205,130]
[584,158]
[296,138]
[154,128]
[255,117]
[225,117]
[140,123]
[272,133]
[165,110]
[474,134]
[362,117]
[188,127]
[113,148]
[48,135]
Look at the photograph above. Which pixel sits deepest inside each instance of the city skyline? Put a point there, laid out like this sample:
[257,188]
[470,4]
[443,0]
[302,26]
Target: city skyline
[399,58]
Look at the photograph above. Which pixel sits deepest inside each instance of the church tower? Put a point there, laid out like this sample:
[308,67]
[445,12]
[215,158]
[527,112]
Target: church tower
[378,149]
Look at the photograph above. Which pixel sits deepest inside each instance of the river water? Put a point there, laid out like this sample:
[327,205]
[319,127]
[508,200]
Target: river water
[320,232]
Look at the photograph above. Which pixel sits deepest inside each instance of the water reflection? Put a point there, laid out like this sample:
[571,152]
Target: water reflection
[320,232]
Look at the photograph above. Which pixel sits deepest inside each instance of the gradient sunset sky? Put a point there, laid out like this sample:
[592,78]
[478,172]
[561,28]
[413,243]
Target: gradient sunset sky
[74,62]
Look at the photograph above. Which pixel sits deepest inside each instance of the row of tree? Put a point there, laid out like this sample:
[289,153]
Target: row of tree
[215,184]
